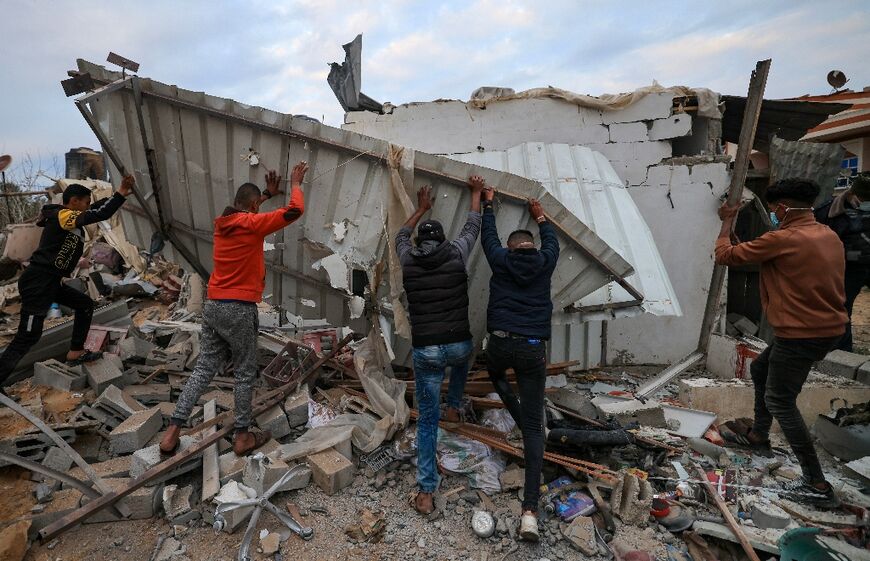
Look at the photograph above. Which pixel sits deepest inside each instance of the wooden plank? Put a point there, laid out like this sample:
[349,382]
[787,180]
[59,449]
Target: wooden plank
[754,98]
[211,479]
[75,518]
[729,518]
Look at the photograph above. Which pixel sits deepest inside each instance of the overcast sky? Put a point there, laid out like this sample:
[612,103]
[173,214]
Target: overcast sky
[275,54]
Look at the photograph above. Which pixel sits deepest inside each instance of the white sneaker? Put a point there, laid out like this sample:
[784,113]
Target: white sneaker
[529,528]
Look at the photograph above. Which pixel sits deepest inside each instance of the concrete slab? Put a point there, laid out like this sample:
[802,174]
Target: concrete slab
[135,432]
[275,421]
[649,414]
[135,349]
[730,399]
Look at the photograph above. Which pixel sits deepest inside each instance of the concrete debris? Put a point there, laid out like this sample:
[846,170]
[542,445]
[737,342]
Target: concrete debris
[135,432]
[176,501]
[631,499]
[58,375]
[331,471]
[102,373]
[271,543]
[230,493]
[842,363]
[581,533]
[768,515]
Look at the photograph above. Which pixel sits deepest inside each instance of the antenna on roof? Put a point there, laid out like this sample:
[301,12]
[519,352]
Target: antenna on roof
[837,79]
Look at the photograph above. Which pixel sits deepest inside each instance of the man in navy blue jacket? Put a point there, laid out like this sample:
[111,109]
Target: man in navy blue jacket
[518,322]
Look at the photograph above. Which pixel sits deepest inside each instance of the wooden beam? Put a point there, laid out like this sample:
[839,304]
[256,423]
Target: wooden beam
[729,518]
[754,98]
[211,479]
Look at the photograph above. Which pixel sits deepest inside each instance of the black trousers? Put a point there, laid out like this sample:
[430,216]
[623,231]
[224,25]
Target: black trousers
[529,362]
[857,277]
[779,374]
[39,290]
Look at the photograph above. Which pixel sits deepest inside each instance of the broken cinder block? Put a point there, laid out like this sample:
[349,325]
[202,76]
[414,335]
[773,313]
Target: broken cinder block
[103,373]
[135,432]
[331,471]
[233,492]
[135,349]
[147,458]
[275,421]
[841,363]
[56,374]
[261,472]
[296,407]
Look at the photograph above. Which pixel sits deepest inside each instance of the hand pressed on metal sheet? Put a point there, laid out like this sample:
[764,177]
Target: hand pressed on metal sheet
[298,173]
[127,185]
[535,210]
[273,184]
[476,184]
[424,198]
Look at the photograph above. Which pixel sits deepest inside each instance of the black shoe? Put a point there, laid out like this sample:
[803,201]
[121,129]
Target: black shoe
[803,492]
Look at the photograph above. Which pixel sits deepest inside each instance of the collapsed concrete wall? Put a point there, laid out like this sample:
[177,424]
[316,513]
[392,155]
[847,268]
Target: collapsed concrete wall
[669,161]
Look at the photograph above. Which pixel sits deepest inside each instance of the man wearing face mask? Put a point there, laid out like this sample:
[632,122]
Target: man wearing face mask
[802,265]
[849,216]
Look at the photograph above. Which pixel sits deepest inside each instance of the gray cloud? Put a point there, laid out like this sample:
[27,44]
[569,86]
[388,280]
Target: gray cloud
[275,54]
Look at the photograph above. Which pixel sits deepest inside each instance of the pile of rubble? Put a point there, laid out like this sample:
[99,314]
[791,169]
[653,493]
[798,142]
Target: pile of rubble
[624,478]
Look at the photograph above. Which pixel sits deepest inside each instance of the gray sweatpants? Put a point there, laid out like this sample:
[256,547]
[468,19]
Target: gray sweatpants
[229,330]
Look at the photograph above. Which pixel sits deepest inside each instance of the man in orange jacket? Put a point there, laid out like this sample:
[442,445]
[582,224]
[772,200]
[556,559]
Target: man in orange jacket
[230,321]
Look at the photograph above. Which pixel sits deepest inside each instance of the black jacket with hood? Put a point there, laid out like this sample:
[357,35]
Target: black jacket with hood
[519,289]
[63,234]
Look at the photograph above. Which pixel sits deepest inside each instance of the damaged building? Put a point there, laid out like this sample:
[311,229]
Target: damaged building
[634,464]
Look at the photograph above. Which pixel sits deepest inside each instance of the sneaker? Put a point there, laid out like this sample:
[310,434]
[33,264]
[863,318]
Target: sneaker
[529,527]
[803,492]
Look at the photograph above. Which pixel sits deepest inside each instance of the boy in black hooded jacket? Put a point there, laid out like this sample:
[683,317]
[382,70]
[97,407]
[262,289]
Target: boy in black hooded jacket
[41,284]
[518,322]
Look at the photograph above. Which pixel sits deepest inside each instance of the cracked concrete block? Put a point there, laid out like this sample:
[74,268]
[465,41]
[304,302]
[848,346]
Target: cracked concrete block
[667,175]
[147,458]
[58,375]
[767,515]
[141,502]
[842,363]
[135,432]
[275,421]
[296,407]
[261,472]
[232,467]
[56,459]
[715,173]
[649,107]
[176,501]
[628,132]
[113,401]
[135,349]
[742,324]
[103,373]
[331,471]
[863,374]
[88,446]
[671,127]
[149,394]
[231,492]
[631,499]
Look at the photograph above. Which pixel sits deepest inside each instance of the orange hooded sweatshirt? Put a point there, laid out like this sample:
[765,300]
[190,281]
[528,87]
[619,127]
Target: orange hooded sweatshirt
[239,266]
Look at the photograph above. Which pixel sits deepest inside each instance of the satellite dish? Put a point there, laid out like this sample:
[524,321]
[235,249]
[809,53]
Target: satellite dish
[837,79]
[5,161]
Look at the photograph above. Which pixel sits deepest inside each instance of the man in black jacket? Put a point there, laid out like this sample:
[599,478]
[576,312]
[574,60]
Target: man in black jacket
[848,215]
[518,321]
[436,284]
[58,254]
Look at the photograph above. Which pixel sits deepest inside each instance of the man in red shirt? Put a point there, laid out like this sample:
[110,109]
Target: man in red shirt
[802,266]
[230,321]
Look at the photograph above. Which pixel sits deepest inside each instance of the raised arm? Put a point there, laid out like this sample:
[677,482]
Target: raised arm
[270,222]
[403,236]
[108,207]
[465,242]
[549,240]
[488,231]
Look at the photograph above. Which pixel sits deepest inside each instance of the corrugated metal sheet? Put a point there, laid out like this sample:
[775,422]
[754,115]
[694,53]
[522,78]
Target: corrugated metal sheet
[198,146]
[586,183]
[814,160]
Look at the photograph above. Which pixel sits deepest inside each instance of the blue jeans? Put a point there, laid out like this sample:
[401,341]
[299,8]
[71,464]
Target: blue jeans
[429,366]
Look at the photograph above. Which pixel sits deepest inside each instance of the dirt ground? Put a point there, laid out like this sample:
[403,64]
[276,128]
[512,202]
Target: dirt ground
[861,323]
